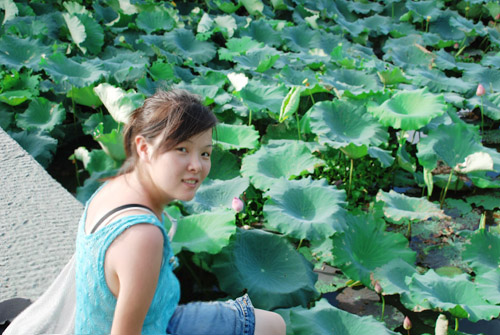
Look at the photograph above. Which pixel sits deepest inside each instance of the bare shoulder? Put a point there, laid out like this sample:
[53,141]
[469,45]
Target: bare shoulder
[142,237]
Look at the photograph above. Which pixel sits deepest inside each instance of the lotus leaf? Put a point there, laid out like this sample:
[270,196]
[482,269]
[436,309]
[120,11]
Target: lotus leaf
[119,103]
[111,143]
[324,318]
[236,136]
[238,46]
[490,104]
[95,161]
[205,232]
[409,110]
[353,83]
[261,31]
[398,207]
[483,252]
[183,43]
[438,82]
[260,60]
[6,117]
[290,104]
[227,6]
[122,65]
[488,286]
[155,18]
[268,267]
[488,202]
[278,159]
[227,166]
[216,193]
[457,295]
[260,97]
[41,114]
[11,10]
[339,124]
[63,69]
[488,77]
[85,96]
[300,38]
[94,35]
[39,145]
[392,278]
[384,157]
[17,52]
[423,9]
[76,29]
[305,208]
[365,246]
[254,7]
[15,97]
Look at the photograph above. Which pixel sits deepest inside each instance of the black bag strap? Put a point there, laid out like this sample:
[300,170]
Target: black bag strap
[113,211]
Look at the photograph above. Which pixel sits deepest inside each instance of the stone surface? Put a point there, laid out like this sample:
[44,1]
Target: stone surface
[38,222]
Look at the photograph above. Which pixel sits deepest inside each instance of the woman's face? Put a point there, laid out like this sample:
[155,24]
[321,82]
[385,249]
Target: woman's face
[178,173]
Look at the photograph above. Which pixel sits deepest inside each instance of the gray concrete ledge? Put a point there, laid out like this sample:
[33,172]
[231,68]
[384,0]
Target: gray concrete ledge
[38,223]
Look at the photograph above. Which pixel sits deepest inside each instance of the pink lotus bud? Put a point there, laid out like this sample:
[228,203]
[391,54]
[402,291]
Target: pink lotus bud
[497,17]
[456,45]
[378,288]
[407,323]
[480,90]
[237,204]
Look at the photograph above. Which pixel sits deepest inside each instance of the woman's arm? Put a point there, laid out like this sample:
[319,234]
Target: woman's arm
[135,259]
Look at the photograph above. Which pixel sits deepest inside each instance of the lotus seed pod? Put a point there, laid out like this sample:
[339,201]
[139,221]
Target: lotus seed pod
[237,204]
[480,90]
[407,323]
[441,325]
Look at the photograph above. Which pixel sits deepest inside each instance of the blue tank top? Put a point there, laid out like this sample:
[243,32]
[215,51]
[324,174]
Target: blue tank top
[95,304]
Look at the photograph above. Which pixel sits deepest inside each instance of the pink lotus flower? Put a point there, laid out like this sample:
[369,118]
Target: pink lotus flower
[480,90]
[378,288]
[237,204]
[407,323]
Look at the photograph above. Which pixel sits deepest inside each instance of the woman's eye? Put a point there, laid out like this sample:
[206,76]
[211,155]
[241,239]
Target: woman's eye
[206,154]
[182,149]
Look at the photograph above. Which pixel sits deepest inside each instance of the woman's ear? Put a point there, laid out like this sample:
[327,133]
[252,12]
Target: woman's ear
[144,149]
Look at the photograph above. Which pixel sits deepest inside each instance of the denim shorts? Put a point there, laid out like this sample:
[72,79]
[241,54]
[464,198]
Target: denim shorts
[232,317]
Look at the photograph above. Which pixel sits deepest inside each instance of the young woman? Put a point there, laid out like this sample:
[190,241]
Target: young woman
[124,264]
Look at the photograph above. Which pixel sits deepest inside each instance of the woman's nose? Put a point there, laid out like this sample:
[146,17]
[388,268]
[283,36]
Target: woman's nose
[195,164]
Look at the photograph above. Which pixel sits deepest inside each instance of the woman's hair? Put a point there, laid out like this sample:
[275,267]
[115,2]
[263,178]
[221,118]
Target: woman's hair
[166,118]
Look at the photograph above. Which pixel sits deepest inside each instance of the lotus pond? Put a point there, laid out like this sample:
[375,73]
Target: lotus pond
[361,136]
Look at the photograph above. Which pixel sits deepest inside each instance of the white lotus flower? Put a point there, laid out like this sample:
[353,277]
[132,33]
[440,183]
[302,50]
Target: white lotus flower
[479,161]
[238,80]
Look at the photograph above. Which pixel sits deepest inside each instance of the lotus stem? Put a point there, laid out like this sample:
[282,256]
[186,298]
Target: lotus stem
[456,324]
[250,118]
[409,231]
[482,222]
[350,176]
[300,243]
[446,189]
[77,173]
[482,116]
[383,307]
[312,99]
[298,124]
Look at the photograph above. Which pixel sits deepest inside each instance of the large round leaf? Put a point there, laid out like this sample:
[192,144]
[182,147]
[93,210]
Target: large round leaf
[399,207]
[457,295]
[409,110]
[339,124]
[225,165]
[268,267]
[120,104]
[278,159]
[236,136]
[488,286]
[17,52]
[63,69]
[260,97]
[206,232]
[305,208]
[352,82]
[483,252]
[392,276]
[37,144]
[216,193]
[324,318]
[41,114]
[365,246]
[183,43]
[155,18]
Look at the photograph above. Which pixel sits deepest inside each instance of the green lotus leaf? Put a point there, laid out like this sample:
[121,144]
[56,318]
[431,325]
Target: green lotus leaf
[230,136]
[205,232]
[260,97]
[261,31]
[488,286]
[111,142]
[392,278]
[488,77]
[183,43]
[119,103]
[122,65]
[423,9]
[290,104]
[353,83]
[400,208]
[6,117]
[237,46]
[254,7]
[162,71]
[354,152]
[488,202]
[409,110]
[340,123]
[467,26]
[227,6]
[300,38]
[95,35]
[17,52]
[305,209]
[260,60]
[11,10]
[94,161]
[85,96]
[324,318]
[39,145]
[384,156]
[155,18]
[365,246]
[63,69]
[15,97]
[451,144]
[76,29]
[278,159]
[91,184]
[41,114]
[268,267]
[365,7]
[216,193]
[490,104]
[404,53]
[483,252]
[437,81]
[392,77]
[225,165]
[457,295]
